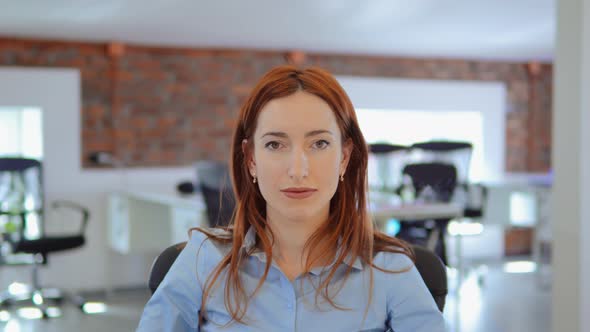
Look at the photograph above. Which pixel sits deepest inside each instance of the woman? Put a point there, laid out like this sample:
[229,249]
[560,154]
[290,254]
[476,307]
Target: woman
[301,254]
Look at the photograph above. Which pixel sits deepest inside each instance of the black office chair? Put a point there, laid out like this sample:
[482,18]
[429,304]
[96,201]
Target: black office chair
[385,163]
[215,185]
[441,180]
[457,153]
[219,203]
[429,265]
[476,197]
[162,264]
[434,273]
[21,203]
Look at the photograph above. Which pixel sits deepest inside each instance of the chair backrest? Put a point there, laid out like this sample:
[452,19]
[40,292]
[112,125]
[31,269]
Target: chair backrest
[162,264]
[21,195]
[434,274]
[219,203]
[476,196]
[20,180]
[440,177]
[215,185]
[431,268]
[451,152]
[385,165]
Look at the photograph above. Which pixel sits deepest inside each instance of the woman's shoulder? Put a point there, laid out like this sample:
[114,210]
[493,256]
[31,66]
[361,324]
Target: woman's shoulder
[207,232]
[393,259]
[211,239]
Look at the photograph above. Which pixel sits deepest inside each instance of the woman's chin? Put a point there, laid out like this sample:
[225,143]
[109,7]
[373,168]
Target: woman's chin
[300,214]
[297,215]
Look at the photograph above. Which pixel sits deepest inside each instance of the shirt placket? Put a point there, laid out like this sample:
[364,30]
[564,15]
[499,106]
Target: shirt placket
[291,301]
[287,287]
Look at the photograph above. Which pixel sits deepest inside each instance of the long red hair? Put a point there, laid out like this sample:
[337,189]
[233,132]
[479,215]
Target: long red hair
[348,226]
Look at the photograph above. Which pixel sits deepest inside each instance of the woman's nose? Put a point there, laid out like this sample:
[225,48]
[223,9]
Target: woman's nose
[299,166]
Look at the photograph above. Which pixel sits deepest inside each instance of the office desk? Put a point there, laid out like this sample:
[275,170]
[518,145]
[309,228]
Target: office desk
[384,206]
[140,222]
[381,212]
[439,212]
[143,222]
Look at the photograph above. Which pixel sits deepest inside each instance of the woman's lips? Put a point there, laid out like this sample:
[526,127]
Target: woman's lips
[298,194]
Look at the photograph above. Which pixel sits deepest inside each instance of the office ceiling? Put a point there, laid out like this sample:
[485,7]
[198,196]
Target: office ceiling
[520,30]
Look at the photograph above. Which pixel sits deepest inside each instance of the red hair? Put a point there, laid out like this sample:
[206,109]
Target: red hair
[348,226]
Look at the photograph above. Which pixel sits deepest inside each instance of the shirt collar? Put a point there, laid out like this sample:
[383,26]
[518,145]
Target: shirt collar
[250,243]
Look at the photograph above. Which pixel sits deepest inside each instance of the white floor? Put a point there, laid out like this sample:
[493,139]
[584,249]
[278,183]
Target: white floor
[504,302]
[491,299]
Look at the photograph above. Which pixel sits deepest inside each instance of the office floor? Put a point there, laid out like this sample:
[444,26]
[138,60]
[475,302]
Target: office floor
[122,314]
[505,302]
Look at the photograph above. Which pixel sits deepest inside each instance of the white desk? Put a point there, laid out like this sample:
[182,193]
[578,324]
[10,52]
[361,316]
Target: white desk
[383,211]
[419,211]
[142,222]
[384,206]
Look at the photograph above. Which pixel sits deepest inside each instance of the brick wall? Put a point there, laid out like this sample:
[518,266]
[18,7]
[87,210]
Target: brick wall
[163,106]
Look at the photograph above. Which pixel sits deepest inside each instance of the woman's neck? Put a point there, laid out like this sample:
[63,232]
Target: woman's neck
[290,237]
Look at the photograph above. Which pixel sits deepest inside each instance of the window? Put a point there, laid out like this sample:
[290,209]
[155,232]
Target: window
[405,111]
[21,132]
[408,127]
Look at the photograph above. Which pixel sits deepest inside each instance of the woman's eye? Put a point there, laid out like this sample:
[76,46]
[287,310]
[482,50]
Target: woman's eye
[321,144]
[273,145]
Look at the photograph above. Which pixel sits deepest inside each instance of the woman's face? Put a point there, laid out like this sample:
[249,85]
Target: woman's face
[298,157]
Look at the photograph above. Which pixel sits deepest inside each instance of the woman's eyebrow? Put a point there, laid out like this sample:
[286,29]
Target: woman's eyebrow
[318,132]
[308,134]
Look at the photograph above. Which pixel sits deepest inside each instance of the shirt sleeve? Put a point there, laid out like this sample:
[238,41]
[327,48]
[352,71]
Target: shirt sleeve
[410,306]
[175,305]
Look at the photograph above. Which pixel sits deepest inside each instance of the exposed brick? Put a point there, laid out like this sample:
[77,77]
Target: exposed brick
[161,106]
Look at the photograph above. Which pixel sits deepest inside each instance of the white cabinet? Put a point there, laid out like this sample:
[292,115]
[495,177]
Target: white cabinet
[140,222]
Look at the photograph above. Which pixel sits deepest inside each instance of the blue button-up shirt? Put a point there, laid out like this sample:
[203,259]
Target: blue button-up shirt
[400,301]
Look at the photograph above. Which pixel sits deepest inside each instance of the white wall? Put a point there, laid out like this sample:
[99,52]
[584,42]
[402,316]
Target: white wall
[571,164]
[57,93]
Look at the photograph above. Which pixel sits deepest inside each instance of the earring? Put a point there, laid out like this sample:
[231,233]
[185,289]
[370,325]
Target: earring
[254,179]
[342,177]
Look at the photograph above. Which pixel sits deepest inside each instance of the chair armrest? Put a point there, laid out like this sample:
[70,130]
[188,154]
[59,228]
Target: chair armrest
[74,206]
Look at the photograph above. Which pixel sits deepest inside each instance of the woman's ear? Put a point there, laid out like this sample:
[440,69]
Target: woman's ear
[346,152]
[249,157]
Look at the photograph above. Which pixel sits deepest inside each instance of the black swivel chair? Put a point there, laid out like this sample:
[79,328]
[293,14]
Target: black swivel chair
[215,186]
[219,203]
[21,202]
[476,196]
[429,265]
[441,180]
[434,274]
[162,264]
[456,153]
[385,162]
